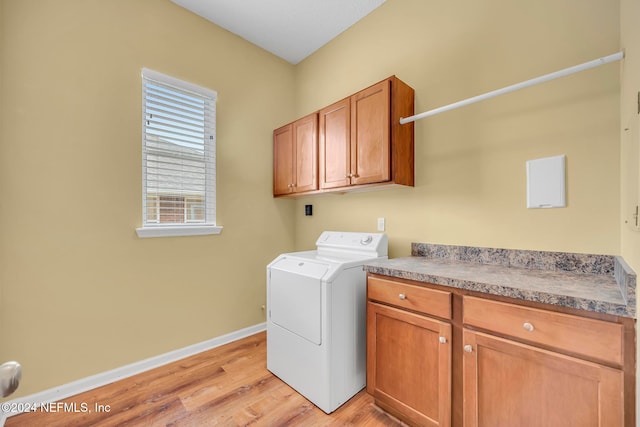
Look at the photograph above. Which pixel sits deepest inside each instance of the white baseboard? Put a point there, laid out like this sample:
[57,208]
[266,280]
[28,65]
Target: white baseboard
[85,384]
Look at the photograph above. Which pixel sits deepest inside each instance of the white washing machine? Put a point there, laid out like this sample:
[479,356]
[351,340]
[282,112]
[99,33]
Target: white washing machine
[316,320]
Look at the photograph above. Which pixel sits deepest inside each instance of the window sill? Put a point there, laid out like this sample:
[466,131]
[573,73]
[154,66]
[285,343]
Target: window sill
[176,231]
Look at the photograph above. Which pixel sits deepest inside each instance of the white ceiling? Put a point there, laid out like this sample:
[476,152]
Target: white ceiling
[290,29]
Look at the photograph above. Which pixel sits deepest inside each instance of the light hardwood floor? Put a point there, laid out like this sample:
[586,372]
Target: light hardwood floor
[226,386]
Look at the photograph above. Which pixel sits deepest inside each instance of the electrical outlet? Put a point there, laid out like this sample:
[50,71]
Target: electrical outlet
[380,224]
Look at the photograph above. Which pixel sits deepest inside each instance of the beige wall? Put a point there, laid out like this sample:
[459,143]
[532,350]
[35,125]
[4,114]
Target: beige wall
[81,293]
[630,142]
[630,119]
[2,265]
[470,163]
[2,126]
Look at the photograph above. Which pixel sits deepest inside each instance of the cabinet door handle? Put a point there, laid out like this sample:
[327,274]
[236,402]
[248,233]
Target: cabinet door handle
[468,348]
[443,340]
[528,327]
[402,296]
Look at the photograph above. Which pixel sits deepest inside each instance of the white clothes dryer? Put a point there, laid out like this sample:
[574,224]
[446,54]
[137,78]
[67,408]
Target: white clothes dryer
[316,318]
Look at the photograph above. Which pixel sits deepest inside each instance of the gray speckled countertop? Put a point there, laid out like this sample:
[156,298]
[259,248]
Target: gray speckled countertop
[599,283]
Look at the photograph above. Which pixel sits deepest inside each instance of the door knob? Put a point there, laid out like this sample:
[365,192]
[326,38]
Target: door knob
[10,374]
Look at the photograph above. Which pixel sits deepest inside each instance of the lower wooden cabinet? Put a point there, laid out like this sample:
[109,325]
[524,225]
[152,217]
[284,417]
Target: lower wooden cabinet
[409,365]
[507,383]
[438,356]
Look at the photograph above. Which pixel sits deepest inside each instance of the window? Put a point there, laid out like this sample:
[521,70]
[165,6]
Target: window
[178,157]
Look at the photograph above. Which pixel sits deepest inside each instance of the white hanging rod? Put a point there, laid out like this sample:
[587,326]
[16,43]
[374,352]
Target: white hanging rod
[591,64]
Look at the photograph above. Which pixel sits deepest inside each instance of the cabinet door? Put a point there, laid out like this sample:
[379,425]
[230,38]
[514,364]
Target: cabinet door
[305,133]
[370,143]
[283,160]
[409,365]
[334,145]
[511,384]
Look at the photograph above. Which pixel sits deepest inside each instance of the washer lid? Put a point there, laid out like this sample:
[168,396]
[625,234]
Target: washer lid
[301,266]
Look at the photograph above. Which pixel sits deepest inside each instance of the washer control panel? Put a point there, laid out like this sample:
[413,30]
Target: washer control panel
[374,244]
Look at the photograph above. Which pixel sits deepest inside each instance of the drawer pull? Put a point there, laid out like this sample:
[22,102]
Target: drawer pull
[528,327]
[443,340]
[468,348]
[402,296]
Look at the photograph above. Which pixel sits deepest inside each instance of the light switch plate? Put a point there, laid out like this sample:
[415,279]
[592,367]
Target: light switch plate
[546,182]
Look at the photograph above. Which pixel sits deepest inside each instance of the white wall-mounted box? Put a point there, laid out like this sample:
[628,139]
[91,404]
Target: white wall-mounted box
[546,182]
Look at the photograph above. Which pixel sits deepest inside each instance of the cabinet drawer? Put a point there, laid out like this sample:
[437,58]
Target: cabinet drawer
[593,338]
[417,298]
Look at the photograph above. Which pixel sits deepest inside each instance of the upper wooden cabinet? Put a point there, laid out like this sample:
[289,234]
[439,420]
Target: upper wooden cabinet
[370,142]
[295,157]
[360,141]
[354,139]
[335,148]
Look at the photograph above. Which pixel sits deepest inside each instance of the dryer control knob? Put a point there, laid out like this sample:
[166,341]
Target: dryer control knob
[366,240]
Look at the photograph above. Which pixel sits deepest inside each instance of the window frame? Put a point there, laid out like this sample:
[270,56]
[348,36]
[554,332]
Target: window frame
[188,228]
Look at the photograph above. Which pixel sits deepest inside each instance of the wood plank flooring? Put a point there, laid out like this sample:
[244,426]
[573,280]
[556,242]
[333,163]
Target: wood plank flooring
[226,386]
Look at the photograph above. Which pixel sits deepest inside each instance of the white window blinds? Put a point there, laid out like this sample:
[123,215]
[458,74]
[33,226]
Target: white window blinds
[178,153]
